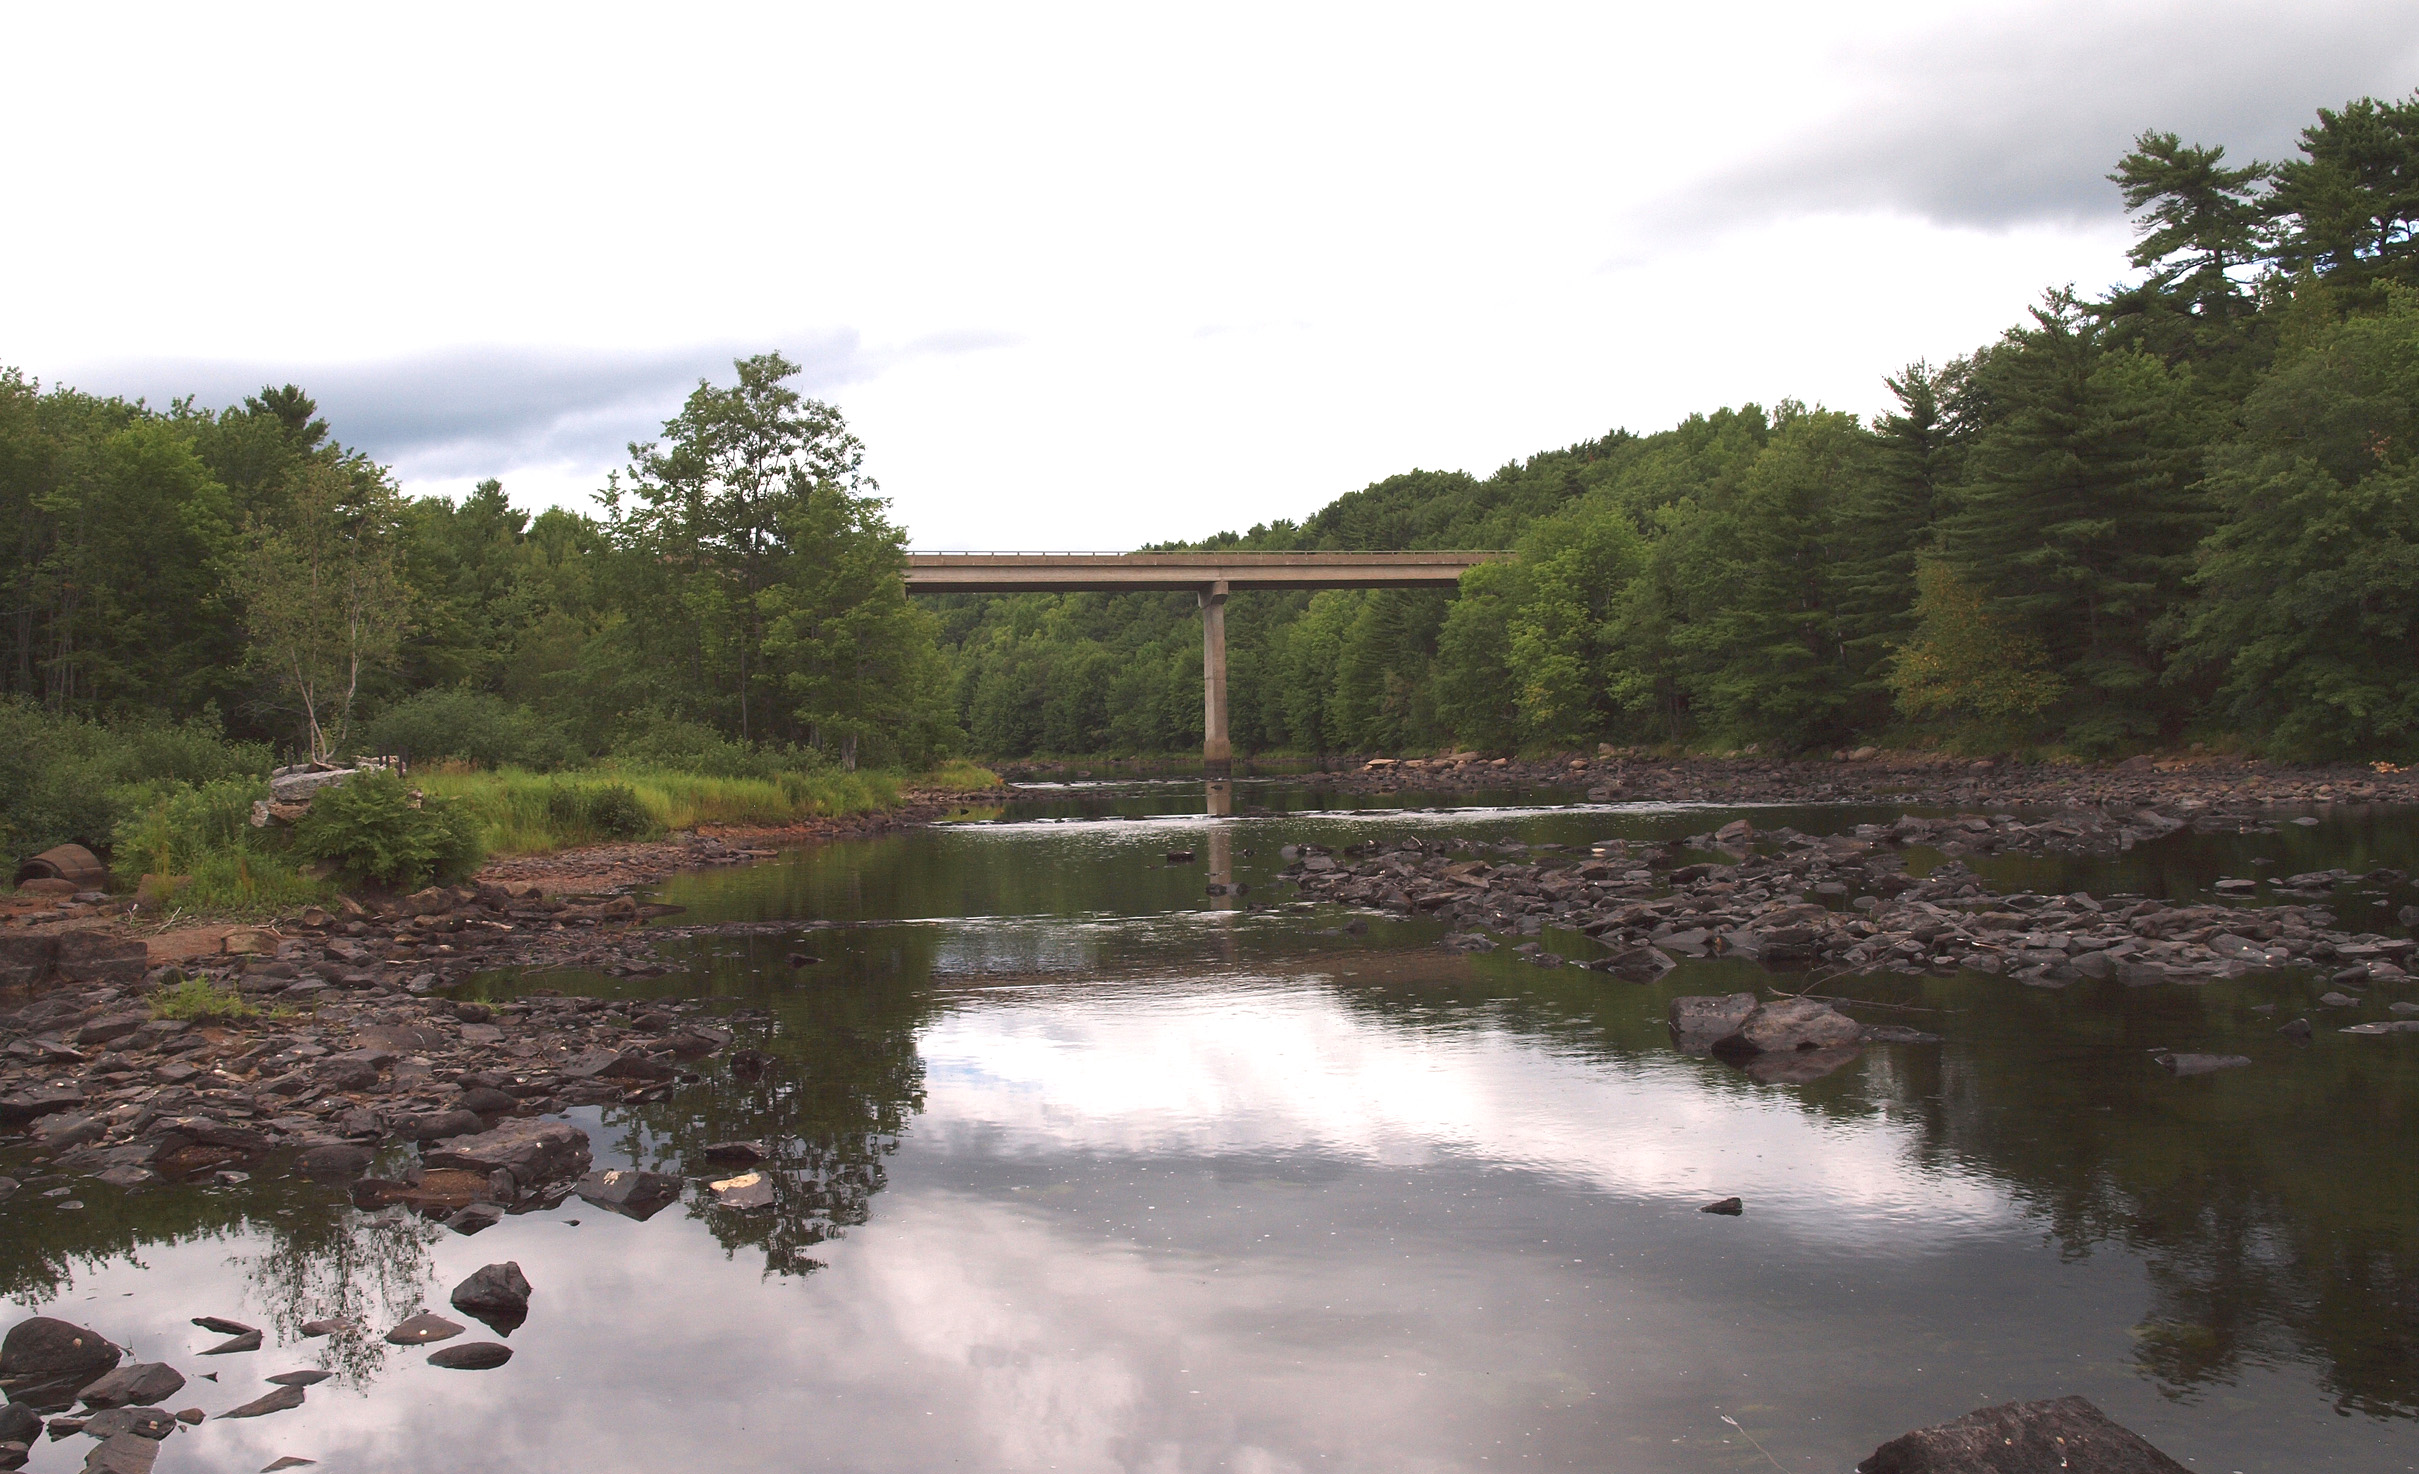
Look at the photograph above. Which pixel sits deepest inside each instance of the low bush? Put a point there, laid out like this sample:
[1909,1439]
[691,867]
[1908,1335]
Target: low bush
[198,1000]
[372,828]
[65,779]
[607,811]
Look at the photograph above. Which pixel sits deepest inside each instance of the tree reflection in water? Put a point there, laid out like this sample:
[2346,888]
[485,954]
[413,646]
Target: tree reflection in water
[369,1270]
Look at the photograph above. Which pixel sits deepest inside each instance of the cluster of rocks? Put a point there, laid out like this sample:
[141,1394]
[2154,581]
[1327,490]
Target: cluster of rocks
[1785,1041]
[2175,784]
[48,1366]
[1848,902]
[101,1087]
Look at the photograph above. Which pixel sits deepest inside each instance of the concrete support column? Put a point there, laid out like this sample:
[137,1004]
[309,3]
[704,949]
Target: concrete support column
[1217,755]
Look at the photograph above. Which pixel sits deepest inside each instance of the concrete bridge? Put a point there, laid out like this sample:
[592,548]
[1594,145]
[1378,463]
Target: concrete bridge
[1212,576]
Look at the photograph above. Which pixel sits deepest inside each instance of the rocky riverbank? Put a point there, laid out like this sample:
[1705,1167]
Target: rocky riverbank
[2181,782]
[1849,902]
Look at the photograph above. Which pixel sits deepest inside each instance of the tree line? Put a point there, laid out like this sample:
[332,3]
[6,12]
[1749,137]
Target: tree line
[240,573]
[2182,509]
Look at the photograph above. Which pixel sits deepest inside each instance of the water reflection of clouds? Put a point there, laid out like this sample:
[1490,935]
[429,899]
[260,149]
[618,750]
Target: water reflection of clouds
[1277,1066]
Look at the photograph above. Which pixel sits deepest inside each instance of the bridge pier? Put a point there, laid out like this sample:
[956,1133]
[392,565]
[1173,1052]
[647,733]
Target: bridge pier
[1217,754]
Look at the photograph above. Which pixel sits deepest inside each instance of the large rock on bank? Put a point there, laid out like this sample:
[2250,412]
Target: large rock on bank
[2060,1435]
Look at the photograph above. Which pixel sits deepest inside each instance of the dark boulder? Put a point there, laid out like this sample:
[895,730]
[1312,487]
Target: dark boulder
[1727,1207]
[497,1294]
[2056,1436]
[480,1100]
[438,1125]
[476,1216]
[45,1362]
[18,1423]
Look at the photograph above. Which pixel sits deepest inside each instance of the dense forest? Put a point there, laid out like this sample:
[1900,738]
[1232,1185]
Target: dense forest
[2181,510]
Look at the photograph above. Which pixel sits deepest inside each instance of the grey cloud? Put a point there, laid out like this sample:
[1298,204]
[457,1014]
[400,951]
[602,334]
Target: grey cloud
[475,412]
[2020,120]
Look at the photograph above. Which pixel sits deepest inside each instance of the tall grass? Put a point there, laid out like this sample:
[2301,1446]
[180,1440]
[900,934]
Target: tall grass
[520,812]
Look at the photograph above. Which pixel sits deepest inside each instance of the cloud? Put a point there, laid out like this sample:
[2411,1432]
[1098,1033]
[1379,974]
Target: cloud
[469,412]
[2018,119]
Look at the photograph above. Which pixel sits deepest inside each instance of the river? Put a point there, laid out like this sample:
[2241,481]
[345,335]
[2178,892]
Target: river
[1083,1167]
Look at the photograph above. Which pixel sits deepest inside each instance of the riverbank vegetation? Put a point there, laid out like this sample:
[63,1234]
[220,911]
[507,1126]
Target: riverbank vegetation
[2183,509]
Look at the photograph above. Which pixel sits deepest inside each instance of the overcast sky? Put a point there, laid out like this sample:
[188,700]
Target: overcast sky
[1085,278]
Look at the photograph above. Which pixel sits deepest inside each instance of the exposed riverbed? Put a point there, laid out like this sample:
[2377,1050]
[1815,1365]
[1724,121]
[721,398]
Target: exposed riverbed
[1075,1164]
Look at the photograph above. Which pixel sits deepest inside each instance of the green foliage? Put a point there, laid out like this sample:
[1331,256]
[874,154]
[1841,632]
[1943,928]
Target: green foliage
[200,1001]
[63,778]
[2309,605]
[372,828]
[464,725]
[184,825]
[1965,662]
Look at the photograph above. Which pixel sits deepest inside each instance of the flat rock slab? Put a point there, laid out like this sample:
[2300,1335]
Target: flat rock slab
[272,1402]
[423,1328]
[224,1326]
[471,1356]
[248,1341]
[2063,1435]
[629,1191]
[325,1327]
[2397,1026]
[1791,1023]
[307,1377]
[127,1453]
[289,1461]
[143,1422]
[736,1153]
[534,1152]
[137,1382]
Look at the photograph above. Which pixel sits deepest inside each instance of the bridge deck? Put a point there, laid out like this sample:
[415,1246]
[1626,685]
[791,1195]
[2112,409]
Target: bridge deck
[1027,573]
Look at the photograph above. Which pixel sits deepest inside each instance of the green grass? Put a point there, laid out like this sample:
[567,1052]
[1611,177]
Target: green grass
[521,813]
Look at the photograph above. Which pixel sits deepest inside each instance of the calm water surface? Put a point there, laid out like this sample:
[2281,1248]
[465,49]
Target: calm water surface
[1085,1169]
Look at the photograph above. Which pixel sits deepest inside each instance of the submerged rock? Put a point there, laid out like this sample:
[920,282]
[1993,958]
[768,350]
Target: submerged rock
[248,1341]
[423,1328]
[2203,1064]
[2062,1435]
[474,1356]
[1727,1207]
[1798,1066]
[746,1192]
[307,1377]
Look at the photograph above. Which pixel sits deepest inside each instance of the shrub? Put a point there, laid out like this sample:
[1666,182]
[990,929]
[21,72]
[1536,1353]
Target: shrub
[178,825]
[655,740]
[612,811]
[372,828]
[63,778]
[470,726]
[198,1000]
